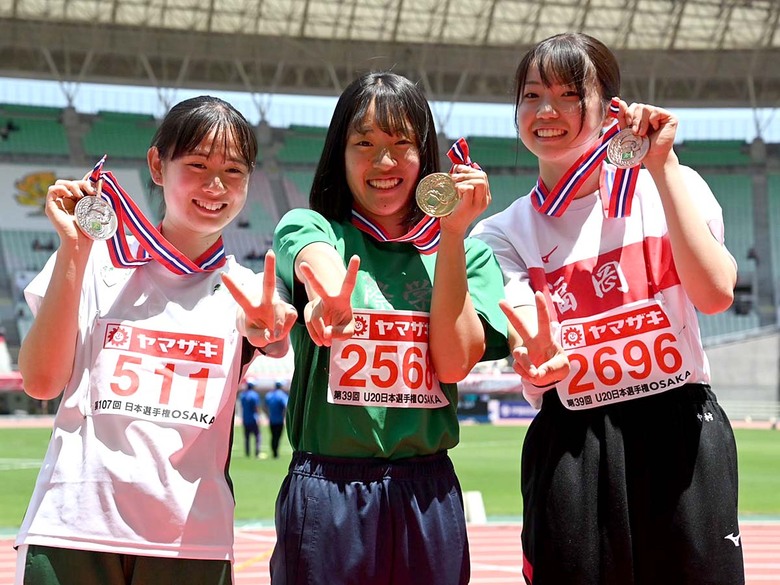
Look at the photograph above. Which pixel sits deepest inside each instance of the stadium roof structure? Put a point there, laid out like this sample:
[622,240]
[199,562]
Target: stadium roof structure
[678,53]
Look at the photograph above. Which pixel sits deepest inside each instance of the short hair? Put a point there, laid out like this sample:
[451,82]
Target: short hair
[190,121]
[399,106]
[571,59]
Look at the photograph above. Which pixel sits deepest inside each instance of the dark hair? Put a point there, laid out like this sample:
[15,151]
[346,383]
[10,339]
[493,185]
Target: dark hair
[190,121]
[571,59]
[399,107]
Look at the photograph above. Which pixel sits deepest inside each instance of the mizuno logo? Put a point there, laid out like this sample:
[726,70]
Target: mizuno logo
[733,538]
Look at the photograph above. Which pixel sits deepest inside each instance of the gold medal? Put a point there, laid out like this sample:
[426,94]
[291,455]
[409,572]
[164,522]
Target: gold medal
[626,149]
[436,194]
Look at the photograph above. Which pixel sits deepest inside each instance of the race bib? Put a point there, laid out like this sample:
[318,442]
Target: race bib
[622,354]
[162,376]
[385,363]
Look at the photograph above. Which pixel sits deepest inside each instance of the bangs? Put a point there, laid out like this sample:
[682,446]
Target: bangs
[226,132]
[390,115]
[563,64]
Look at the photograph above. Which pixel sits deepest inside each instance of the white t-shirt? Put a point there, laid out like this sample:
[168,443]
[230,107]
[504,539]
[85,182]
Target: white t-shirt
[621,314]
[137,462]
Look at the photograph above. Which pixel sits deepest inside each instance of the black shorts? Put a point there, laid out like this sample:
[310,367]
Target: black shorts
[642,492]
[370,521]
[45,565]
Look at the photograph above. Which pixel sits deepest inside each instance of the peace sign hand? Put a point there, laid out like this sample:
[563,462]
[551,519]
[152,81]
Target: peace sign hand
[269,320]
[328,316]
[539,360]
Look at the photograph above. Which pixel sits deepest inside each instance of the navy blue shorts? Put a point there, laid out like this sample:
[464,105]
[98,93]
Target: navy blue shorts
[370,522]
[642,492]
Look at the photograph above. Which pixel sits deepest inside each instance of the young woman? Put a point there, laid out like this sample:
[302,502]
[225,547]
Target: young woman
[629,469]
[387,331]
[149,350]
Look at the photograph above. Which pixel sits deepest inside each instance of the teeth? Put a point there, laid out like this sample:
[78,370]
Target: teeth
[384,183]
[210,206]
[549,132]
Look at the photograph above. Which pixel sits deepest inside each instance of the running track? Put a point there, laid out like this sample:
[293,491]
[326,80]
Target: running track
[495,554]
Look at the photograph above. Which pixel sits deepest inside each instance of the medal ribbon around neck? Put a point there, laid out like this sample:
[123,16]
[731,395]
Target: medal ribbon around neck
[555,202]
[152,244]
[426,234]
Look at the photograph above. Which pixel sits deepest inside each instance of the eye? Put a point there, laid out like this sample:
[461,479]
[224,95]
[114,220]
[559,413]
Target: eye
[529,95]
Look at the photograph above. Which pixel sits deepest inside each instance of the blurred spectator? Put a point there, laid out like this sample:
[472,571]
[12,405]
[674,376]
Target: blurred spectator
[276,407]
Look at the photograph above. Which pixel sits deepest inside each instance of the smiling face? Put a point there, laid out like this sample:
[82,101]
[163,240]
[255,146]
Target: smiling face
[204,188]
[382,171]
[550,119]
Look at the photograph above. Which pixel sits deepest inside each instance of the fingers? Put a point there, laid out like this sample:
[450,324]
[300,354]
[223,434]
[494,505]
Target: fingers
[515,321]
[351,278]
[238,293]
[544,329]
[311,280]
[269,277]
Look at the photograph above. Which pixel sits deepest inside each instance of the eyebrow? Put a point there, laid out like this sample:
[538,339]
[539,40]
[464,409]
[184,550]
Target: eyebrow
[205,154]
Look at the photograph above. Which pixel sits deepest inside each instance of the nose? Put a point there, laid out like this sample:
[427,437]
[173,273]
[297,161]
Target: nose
[215,185]
[546,110]
[384,159]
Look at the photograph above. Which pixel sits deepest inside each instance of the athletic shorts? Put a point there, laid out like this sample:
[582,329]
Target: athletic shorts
[43,565]
[370,522]
[642,492]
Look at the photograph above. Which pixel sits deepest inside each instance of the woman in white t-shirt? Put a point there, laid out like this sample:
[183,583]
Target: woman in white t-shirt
[144,340]
[629,469]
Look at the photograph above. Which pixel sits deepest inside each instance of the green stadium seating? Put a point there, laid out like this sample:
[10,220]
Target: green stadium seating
[298,186]
[492,152]
[27,111]
[734,193]
[300,149]
[120,136]
[19,249]
[713,153]
[35,136]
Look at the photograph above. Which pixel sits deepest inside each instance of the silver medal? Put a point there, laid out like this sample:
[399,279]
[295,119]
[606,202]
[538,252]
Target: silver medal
[626,149]
[436,194]
[95,216]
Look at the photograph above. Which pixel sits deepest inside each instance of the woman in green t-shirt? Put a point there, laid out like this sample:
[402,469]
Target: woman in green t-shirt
[397,307]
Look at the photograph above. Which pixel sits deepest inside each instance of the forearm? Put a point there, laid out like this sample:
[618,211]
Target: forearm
[457,336]
[47,352]
[326,264]
[707,273]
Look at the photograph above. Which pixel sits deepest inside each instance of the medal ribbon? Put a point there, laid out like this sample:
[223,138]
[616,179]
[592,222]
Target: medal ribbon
[426,234]
[152,244]
[555,202]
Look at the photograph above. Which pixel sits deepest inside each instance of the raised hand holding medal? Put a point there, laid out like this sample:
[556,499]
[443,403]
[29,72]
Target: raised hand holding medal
[437,194]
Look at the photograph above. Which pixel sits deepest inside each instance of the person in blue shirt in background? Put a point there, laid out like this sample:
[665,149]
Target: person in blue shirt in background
[250,416]
[276,407]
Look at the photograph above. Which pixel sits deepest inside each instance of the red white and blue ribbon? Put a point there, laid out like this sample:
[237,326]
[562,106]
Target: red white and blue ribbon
[151,243]
[555,202]
[426,234]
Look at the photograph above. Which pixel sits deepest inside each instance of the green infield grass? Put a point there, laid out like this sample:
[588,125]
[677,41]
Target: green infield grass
[487,460]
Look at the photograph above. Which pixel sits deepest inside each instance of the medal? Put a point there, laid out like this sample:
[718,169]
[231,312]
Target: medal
[626,149]
[436,194]
[95,216]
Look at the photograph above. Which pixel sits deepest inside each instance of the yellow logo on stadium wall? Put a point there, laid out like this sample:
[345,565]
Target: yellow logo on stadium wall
[32,190]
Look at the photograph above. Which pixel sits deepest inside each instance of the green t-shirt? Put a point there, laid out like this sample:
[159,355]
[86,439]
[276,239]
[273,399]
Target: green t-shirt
[371,408]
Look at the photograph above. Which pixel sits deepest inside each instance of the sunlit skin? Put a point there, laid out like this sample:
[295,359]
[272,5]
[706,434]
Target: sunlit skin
[549,125]
[204,191]
[382,171]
